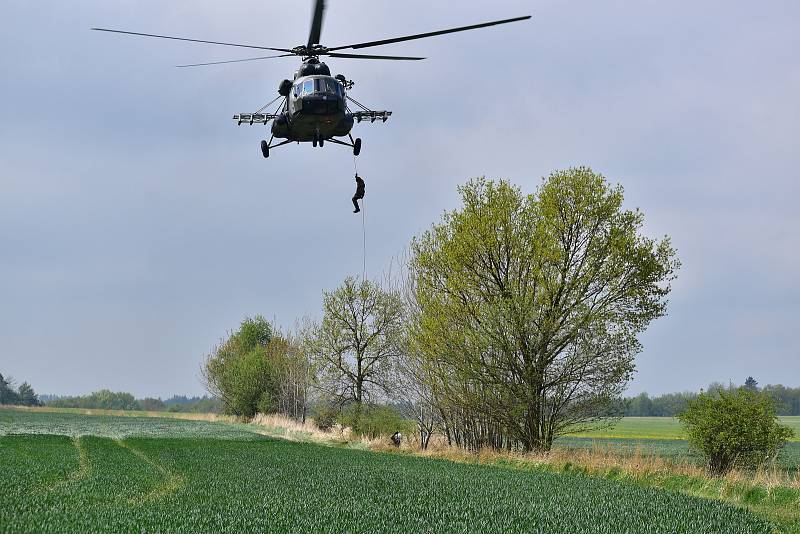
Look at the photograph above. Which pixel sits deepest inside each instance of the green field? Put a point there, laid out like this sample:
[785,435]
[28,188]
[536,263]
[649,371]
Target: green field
[664,437]
[68,422]
[661,428]
[145,474]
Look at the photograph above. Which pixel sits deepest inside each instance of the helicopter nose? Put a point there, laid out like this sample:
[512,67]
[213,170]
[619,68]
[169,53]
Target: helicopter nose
[321,105]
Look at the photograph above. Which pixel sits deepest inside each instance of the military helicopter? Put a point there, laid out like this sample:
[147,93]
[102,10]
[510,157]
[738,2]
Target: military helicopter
[314,105]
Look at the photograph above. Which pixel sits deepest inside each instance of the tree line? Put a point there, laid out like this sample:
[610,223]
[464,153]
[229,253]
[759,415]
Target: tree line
[514,320]
[24,395]
[787,400]
[118,400]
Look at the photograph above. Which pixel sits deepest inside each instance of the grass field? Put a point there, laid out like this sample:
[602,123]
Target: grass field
[664,437]
[662,428]
[72,423]
[131,474]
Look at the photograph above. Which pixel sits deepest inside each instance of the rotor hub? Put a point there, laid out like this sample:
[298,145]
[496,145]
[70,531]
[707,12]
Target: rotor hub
[310,51]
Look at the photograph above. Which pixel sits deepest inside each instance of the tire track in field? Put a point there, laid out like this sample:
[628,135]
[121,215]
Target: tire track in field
[172,481]
[83,470]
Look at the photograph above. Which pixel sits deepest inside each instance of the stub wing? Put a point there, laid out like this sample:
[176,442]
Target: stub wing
[371,116]
[254,118]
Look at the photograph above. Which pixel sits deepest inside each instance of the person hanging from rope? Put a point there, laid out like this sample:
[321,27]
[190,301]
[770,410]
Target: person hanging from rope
[359,193]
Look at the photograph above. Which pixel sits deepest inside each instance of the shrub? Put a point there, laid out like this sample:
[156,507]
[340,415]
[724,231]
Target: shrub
[325,417]
[374,421]
[734,429]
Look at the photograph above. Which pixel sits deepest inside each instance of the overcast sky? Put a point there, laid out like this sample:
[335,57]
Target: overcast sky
[139,224]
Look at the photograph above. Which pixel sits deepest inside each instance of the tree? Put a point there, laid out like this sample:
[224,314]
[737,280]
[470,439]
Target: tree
[736,428]
[751,384]
[413,393]
[787,399]
[530,306]
[7,393]
[640,406]
[259,370]
[103,400]
[150,404]
[239,372]
[294,371]
[27,396]
[357,342]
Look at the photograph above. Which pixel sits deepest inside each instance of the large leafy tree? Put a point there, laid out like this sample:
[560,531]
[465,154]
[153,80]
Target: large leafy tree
[239,371]
[530,305]
[356,344]
[258,370]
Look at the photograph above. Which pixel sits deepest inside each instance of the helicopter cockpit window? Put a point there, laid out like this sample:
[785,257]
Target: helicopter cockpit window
[333,87]
[298,88]
[308,87]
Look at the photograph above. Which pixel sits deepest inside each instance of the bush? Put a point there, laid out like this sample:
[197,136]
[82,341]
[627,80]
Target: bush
[734,429]
[325,417]
[374,421]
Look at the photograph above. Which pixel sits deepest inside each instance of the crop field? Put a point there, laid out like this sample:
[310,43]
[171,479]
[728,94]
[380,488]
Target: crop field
[664,437]
[133,474]
[676,450]
[74,424]
[662,428]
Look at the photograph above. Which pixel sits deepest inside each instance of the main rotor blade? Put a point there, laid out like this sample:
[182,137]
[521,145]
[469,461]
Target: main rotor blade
[234,61]
[192,40]
[363,56]
[316,23]
[429,34]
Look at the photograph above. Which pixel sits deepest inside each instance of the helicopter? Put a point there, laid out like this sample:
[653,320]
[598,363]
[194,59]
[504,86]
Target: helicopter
[315,106]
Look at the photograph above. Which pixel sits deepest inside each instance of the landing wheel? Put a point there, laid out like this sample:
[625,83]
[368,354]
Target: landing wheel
[321,142]
[314,141]
[265,148]
[357,147]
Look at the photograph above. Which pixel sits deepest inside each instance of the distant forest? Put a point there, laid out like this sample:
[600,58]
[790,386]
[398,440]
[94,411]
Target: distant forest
[670,404]
[110,400]
[24,395]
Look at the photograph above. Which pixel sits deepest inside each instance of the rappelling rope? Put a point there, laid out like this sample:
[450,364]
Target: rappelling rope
[364,237]
[363,230]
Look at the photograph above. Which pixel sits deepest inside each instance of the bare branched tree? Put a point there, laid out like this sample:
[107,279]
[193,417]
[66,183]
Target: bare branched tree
[356,345]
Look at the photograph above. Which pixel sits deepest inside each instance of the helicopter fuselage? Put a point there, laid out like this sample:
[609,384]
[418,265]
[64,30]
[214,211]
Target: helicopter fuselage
[316,109]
